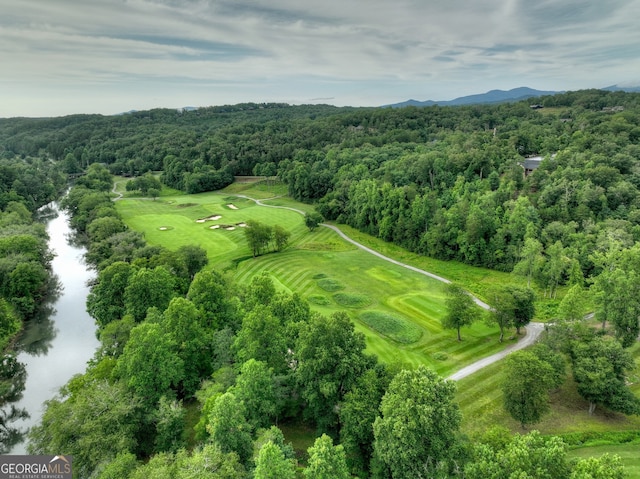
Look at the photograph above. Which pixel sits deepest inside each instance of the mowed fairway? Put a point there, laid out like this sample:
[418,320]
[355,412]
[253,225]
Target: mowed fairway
[398,310]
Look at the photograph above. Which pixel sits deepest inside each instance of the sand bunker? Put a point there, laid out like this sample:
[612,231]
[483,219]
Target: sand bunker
[163,228]
[214,217]
[242,225]
[214,227]
[232,206]
[230,228]
[200,221]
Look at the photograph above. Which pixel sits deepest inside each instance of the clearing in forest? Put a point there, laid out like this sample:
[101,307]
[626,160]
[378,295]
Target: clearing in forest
[398,310]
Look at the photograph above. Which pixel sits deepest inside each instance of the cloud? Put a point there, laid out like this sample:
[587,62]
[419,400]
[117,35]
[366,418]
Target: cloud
[373,53]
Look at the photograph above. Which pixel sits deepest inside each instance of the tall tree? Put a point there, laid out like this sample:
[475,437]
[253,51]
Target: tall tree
[147,288]
[255,388]
[523,306]
[150,365]
[271,464]
[326,461]
[228,427]
[600,368]
[330,356]
[460,309]
[531,259]
[418,426]
[525,387]
[531,455]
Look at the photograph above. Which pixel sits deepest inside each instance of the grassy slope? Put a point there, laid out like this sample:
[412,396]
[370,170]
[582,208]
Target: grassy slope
[480,399]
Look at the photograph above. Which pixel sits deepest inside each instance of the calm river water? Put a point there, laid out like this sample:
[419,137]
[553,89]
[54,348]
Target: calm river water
[58,346]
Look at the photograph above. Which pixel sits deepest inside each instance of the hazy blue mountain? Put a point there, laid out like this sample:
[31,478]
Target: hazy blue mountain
[627,88]
[493,96]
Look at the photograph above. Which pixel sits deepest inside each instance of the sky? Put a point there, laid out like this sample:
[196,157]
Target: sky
[60,57]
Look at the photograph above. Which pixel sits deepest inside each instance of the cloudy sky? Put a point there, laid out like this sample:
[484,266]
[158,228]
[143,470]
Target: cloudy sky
[108,56]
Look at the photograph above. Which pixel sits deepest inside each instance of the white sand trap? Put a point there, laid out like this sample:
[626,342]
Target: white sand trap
[214,227]
[214,217]
[242,225]
[232,207]
[200,221]
[163,228]
[231,228]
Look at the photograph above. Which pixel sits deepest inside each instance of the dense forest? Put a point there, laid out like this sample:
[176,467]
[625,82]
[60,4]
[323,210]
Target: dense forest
[183,345]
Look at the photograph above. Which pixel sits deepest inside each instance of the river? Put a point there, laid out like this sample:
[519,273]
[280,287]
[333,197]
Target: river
[58,346]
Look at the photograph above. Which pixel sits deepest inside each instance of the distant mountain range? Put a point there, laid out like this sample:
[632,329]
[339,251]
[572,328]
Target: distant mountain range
[498,96]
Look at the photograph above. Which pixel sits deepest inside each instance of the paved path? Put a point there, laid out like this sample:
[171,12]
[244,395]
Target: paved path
[533,330]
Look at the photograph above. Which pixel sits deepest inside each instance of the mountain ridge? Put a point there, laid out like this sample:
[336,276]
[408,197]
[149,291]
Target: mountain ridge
[499,96]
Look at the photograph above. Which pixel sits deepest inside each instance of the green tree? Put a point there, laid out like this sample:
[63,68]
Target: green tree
[524,310]
[105,302]
[417,430]
[193,257]
[182,322]
[101,228]
[460,309]
[209,462]
[147,288]
[280,237]
[258,236]
[228,427]
[525,387]
[503,312]
[94,421]
[312,220]
[271,464]
[150,365]
[531,259]
[121,466]
[617,294]
[572,305]
[214,296]
[326,461]
[169,420]
[255,388]
[603,467]
[358,411]
[600,368]
[554,359]
[330,356]
[262,338]
[525,456]
[9,324]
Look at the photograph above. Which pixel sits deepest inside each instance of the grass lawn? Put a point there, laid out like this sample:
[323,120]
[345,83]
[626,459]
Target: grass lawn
[629,453]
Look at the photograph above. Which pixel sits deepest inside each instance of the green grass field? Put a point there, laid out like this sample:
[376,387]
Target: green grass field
[629,453]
